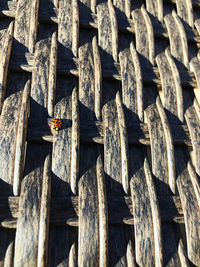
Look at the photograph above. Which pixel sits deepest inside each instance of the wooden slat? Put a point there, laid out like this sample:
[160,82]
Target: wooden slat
[22,23]
[132,94]
[20,145]
[190,207]
[177,38]
[185,11]
[169,146]
[33,25]
[144,35]
[155,8]
[158,148]
[194,129]
[123,143]
[114,30]
[171,87]
[75,144]
[145,246]
[44,214]
[75,27]
[97,78]
[103,214]
[26,241]
[52,75]
[8,129]
[88,210]
[5,58]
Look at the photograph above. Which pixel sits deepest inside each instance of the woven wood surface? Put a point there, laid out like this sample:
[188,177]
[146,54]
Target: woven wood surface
[118,184]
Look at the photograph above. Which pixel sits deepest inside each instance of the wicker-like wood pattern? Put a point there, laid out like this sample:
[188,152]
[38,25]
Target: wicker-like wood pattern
[118,184]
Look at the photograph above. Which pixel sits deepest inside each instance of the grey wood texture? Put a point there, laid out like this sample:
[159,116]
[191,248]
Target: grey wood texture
[118,183]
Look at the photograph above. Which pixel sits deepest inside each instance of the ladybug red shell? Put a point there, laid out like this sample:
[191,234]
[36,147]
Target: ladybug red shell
[56,124]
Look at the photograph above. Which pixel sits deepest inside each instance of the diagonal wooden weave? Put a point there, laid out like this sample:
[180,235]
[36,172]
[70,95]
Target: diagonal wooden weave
[118,184]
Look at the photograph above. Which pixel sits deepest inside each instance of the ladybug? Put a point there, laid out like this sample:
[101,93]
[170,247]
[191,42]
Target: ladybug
[56,124]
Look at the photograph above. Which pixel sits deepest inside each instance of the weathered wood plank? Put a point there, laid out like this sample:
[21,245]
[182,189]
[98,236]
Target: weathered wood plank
[158,148]
[169,146]
[88,251]
[192,121]
[33,25]
[103,214]
[123,144]
[5,50]
[190,205]
[155,8]
[97,78]
[185,11]
[171,87]
[145,248]
[26,242]
[44,214]
[144,35]
[132,94]
[8,129]
[20,145]
[52,75]
[22,23]
[177,38]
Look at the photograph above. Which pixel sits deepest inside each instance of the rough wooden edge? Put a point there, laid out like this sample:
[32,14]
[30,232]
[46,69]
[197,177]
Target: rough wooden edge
[155,216]
[103,214]
[75,142]
[20,145]
[195,182]
[183,38]
[169,146]
[52,75]
[44,214]
[114,30]
[139,84]
[123,143]
[97,79]
[4,62]
[33,25]
[177,82]
[150,33]
[75,27]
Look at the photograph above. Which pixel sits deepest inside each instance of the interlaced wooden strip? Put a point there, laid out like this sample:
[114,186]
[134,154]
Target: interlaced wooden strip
[123,78]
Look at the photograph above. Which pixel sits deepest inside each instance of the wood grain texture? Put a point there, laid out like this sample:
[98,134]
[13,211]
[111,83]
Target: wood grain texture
[5,58]
[97,78]
[185,11]
[155,8]
[193,126]
[145,247]
[103,214]
[20,146]
[190,207]
[169,146]
[143,35]
[177,37]
[158,149]
[22,22]
[33,25]
[171,86]
[88,254]
[52,75]
[44,214]
[26,241]
[8,129]
[132,94]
